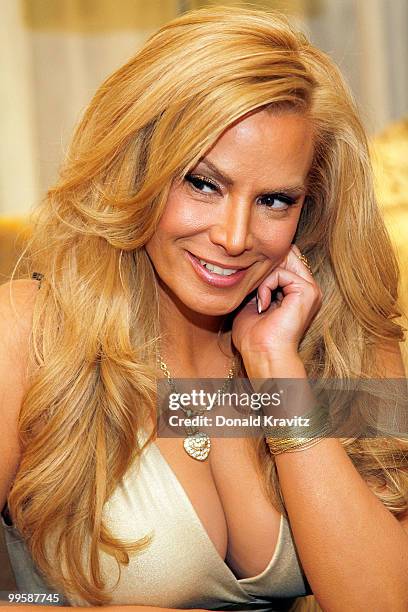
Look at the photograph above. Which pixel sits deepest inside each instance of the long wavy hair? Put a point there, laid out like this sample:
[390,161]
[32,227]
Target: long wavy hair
[95,334]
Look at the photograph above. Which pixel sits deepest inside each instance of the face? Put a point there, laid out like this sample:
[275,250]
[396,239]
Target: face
[237,211]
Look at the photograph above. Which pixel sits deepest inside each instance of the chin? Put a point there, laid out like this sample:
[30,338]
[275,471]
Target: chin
[218,309]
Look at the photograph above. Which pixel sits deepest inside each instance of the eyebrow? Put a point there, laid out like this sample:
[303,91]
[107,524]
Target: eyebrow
[294,190]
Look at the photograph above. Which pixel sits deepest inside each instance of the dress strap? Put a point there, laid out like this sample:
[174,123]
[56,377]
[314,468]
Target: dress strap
[37,276]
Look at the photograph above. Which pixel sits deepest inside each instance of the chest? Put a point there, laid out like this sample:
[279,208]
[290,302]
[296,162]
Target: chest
[227,496]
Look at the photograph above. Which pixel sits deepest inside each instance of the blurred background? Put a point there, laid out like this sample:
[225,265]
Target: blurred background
[55,53]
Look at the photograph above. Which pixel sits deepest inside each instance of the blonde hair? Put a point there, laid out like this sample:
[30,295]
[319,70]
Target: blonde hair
[95,334]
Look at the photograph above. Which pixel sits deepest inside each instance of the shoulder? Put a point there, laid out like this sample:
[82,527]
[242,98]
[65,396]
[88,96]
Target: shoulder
[17,300]
[22,292]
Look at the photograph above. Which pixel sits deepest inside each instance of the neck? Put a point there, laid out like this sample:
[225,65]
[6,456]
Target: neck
[192,344]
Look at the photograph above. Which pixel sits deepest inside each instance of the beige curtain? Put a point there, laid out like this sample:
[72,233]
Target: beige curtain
[55,53]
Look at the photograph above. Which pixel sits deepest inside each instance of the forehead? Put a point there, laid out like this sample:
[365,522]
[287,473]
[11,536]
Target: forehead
[265,143]
[266,123]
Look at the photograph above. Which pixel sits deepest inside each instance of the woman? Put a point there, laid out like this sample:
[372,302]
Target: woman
[227,142]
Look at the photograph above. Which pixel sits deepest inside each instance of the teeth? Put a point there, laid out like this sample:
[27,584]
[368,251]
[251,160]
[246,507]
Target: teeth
[216,269]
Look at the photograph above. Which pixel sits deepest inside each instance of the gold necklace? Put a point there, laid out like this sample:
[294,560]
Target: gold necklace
[197,444]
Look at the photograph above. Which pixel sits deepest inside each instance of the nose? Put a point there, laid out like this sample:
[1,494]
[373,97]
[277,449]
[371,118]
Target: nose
[231,228]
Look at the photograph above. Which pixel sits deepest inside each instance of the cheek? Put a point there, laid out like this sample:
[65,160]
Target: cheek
[178,219]
[275,239]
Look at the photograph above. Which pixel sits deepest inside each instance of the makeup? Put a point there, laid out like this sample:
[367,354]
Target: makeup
[211,278]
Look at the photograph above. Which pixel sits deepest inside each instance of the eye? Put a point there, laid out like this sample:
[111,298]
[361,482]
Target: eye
[200,182]
[282,201]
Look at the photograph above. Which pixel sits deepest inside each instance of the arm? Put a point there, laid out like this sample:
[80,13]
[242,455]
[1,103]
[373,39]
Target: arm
[353,550]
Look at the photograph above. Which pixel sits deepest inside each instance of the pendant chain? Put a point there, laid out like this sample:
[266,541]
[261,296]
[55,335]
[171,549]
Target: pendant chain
[197,444]
[231,374]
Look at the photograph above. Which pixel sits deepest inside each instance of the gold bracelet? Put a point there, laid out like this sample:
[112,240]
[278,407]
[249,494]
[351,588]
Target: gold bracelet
[293,438]
[317,417]
[274,451]
[292,445]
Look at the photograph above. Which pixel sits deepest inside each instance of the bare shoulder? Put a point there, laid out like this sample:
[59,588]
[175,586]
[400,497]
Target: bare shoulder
[17,300]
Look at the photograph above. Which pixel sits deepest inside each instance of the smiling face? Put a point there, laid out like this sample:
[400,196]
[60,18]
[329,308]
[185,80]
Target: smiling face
[237,208]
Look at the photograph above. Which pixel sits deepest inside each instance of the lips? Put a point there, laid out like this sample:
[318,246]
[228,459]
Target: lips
[221,265]
[213,279]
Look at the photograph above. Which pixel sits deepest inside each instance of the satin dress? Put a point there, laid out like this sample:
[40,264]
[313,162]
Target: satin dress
[181,567]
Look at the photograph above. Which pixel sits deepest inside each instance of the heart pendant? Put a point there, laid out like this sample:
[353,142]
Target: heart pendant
[198,446]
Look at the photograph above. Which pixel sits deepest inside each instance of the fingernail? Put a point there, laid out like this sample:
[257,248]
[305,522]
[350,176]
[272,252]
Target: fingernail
[258,304]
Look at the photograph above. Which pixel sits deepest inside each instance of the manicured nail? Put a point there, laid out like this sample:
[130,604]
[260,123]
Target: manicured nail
[258,304]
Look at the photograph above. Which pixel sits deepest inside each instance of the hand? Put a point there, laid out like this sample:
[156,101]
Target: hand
[283,322]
